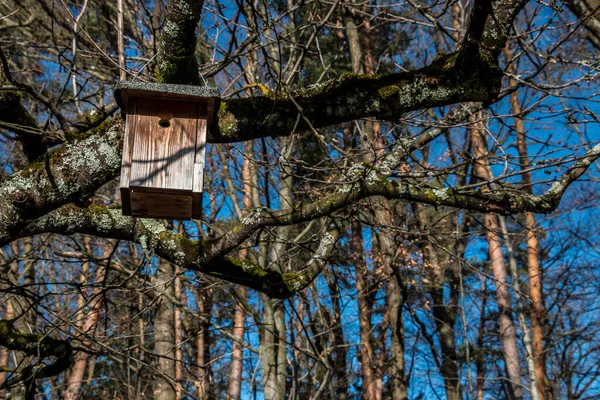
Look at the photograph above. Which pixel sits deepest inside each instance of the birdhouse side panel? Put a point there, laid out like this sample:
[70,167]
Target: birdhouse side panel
[200,156]
[199,163]
[165,145]
[126,158]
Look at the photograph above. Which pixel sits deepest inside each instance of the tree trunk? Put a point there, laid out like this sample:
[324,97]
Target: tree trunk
[204,303]
[371,139]
[587,12]
[234,388]
[178,336]
[164,333]
[272,349]
[340,376]
[512,263]
[442,277]
[533,262]
[480,362]
[4,353]
[86,324]
[367,356]
[397,374]
[508,333]
[273,334]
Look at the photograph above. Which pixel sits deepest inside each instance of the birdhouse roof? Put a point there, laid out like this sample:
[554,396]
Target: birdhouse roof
[126,89]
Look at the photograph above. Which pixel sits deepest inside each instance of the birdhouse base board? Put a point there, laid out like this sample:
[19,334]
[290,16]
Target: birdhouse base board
[149,204]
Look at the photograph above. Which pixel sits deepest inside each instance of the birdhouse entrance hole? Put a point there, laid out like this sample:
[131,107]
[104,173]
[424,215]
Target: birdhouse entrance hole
[163,152]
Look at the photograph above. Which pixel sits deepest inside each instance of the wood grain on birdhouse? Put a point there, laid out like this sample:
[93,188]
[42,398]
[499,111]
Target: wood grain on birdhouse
[163,154]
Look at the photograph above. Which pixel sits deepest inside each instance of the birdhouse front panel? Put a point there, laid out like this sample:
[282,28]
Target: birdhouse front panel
[163,154]
[164,149]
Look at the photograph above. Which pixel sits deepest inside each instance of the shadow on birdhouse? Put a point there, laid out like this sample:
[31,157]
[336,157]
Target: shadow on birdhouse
[162,168]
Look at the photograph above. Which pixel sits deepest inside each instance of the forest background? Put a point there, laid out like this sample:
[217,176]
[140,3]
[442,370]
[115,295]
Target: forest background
[399,202]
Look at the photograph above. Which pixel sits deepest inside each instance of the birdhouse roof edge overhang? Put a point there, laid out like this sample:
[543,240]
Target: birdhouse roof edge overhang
[126,89]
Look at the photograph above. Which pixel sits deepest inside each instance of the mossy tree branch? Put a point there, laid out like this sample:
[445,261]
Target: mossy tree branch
[200,256]
[587,12]
[71,173]
[471,74]
[13,112]
[352,97]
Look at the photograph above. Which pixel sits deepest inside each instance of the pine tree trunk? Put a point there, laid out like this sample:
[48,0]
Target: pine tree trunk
[508,333]
[234,389]
[533,262]
[164,333]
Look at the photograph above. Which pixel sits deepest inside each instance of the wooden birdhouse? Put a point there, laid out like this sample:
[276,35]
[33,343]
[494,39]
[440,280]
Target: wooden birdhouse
[163,152]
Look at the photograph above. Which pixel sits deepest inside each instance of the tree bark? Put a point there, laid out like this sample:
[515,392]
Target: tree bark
[480,362]
[367,355]
[272,349]
[273,336]
[338,355]
[4,353]
[512,263]
[588,12]
[372,151]
[234,389]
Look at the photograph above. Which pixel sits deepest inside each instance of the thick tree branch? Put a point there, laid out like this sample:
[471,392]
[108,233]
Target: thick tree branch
[71,173]
[13,113]
[155,238]
[588,11]
[470,74]
[31,91]
[352,97]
